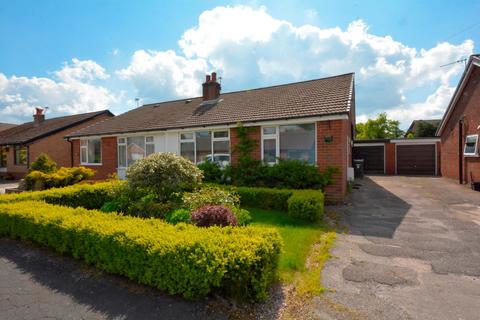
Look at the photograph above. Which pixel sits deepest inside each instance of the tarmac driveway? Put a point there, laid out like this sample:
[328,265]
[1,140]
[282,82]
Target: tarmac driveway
[412,251]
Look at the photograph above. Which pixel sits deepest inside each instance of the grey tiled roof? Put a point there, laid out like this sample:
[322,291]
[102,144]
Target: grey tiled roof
[311,98]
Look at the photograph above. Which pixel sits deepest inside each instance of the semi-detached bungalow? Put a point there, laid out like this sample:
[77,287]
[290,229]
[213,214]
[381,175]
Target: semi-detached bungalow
[21,144]
[311,120]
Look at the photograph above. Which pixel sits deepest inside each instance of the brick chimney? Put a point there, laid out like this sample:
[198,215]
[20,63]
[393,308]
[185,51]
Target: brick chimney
[38,117]
[211,88]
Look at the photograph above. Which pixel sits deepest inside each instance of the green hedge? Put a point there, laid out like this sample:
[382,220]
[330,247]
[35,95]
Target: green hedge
[181,259]
[90,196]
[302,204]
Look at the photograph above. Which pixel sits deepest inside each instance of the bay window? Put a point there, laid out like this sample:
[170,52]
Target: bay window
[289,142]
[201,146]
[91,151]
[132,149]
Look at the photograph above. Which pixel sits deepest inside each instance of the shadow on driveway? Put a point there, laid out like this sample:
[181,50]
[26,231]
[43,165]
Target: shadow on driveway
[376,211]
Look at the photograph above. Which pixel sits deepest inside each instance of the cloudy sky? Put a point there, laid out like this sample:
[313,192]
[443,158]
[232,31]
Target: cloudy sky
[80,56]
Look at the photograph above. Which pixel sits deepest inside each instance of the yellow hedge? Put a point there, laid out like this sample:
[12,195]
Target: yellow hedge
[181,259]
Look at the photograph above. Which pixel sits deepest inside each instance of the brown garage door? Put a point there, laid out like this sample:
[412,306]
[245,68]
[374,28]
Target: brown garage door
[373,157]
[416,159]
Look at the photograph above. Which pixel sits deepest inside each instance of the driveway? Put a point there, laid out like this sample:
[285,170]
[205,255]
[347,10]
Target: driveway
[412,251]
[7,185]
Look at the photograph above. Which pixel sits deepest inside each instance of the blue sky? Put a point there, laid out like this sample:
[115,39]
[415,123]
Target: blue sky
[78,56]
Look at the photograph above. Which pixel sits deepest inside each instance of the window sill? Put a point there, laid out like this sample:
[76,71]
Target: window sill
[90,164]
[471,155]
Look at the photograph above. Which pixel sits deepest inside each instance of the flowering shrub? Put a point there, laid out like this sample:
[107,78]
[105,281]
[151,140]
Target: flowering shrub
[210,196]
[208,216]
[163,174]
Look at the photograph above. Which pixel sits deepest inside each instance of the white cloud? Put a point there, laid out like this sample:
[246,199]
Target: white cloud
[71,91]
[250,48]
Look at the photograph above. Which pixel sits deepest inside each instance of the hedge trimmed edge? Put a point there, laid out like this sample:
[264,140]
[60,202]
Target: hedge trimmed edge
[179,259]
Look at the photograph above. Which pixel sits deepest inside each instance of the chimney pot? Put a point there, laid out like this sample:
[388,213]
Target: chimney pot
[208,78]
[38,117]
[214,76]
[211,88]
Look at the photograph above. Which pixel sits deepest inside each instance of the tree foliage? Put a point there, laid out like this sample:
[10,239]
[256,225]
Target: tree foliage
[424,129]
[379,128]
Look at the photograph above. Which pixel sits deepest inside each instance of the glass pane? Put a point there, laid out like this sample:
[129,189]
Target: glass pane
[187,150]
[122,156]
[20,155]
[270,130]
[148,139]
[220,134]
[149,149]
[269,150]
[83,155]
[3,157]
[135,149]
[221,152]
[470,145]
[186,136]
[204,145]
[121,140]
[94,151]
[83,143]
[297,142]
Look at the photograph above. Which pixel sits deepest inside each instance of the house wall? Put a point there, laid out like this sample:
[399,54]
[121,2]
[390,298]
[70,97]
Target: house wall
[13,170]
[334,154]
[468,106]
[255,134]
[109,158]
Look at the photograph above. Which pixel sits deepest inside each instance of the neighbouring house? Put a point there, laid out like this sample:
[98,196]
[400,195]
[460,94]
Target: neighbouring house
[21,144]
[310,120]
[414,156]
[460,127]
[5,126]
[423,128]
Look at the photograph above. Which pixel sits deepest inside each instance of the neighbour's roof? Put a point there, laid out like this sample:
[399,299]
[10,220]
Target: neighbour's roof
[325,96]
[473,61]
[5,126]
[416,123]
[29,131]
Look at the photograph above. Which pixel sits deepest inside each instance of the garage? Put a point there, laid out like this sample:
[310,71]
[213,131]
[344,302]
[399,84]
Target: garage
[416,159]
[373,156]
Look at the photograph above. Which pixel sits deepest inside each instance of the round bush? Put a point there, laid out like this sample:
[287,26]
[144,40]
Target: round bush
[213,216]
[164,174]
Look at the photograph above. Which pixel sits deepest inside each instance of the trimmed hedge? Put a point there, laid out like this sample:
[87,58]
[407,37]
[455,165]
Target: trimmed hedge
[90,196]
[181,259]
[302,204]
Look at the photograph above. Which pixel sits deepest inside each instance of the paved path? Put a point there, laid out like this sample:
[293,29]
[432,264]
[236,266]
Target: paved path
[7,184]
[412,252]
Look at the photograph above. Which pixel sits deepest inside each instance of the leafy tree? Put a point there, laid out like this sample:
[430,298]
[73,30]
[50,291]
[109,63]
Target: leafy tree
[425,129]
[379,128]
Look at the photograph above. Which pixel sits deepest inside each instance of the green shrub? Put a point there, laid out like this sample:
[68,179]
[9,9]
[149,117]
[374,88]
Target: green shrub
[181,259]
[211,172]
[163,174]
[61,178]
[90,196]
[306,205]
[177,216]
[265,198]
[243,216]
[209,195]
[44,164]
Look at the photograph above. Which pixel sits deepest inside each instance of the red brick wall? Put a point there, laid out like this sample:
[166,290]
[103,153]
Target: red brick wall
[254,134]
[334,154]
[468,105]
[109,158]
[389,158]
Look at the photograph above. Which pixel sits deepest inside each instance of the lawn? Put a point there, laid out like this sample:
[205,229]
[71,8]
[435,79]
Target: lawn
[306,247]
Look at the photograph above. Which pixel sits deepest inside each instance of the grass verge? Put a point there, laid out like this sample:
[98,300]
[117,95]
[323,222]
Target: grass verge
[306,249]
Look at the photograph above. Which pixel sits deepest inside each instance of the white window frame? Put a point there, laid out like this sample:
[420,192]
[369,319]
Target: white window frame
[213,139]
[88,163]
[276,136]
[125,143]
[271,136]
[475,153]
